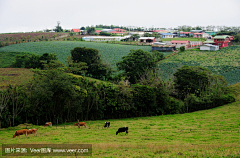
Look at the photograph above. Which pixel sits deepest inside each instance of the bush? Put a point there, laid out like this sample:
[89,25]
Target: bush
[182,48]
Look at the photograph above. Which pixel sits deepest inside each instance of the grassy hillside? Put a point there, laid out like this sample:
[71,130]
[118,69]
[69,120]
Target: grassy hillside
[225,62]
[14,76]
[111,52]
[208,133]
[6,58]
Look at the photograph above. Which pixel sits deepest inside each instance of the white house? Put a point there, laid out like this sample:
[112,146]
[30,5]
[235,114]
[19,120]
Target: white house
[209,47]
[104,38]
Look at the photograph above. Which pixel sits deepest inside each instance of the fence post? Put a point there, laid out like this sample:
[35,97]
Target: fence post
[57,123]
[78,124]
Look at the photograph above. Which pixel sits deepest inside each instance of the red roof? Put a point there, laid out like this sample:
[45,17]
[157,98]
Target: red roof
[158,30]
[185,32]
[76,30]
[179,41]
[98,31]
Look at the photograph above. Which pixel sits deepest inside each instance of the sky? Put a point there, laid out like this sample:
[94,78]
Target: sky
[36,15]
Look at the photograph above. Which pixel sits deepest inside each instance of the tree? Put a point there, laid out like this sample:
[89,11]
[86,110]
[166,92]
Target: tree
[195,80]
[4,100]
[82,28]
[96,68]
[58,28]
[90,30]
[136,63]
[135,36]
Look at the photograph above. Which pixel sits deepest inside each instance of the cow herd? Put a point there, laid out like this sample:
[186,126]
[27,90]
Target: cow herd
[31,131]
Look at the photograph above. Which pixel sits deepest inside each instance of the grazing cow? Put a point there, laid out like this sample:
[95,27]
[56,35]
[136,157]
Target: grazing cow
[20,132]
[122,129]
[48,124]
[107,124]
[81,124]
[30,131]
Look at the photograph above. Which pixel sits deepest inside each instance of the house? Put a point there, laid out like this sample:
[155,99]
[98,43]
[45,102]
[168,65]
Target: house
[209,42]
[119,30]
[223,40]
[197,31]
[185,34]
[75,30]
[209,47]
[147,39]
[201,35]
[211,32]
[98,31]
[166,35]
[164,48]
[195,43]
[179,44]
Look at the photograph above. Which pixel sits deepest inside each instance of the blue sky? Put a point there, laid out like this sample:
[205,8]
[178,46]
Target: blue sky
[32,15]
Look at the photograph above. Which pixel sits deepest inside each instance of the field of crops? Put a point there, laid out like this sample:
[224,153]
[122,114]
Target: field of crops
[225,62]
[112,53]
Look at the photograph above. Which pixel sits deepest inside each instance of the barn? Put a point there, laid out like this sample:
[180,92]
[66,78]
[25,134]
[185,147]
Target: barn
[164,48]
[179,44]
[209,47]
[147,39]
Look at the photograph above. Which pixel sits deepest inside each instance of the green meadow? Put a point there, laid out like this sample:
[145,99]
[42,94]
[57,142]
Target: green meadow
[208,133]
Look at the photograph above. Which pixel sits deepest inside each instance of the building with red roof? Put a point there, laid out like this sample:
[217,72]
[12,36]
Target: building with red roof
[120,30]
[179,44]
[98,31]
[75,30]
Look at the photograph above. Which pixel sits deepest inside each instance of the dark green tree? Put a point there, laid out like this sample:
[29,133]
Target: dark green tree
[136,63]
[58,28]
[82,28]
[135,36]
[90,30]
[182,48]
[96,68]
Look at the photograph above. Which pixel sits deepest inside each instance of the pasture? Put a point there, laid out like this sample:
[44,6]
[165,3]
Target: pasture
[208,133]
[225,62]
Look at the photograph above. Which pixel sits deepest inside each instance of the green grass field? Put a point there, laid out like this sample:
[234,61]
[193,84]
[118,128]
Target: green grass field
[6,58]
[180,39]
[225,62]
[208,133]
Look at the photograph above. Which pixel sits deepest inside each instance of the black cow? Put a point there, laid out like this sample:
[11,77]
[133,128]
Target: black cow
[107,124]
[122,129]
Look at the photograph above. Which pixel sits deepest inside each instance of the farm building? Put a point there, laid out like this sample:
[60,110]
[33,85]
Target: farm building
[166,35]
[147,39]
[195,43]
[107,30]
[209,47]
[75,30]
[159,43]
[117,33]
[223,40]
[164,48]
[104,38]
[179,44]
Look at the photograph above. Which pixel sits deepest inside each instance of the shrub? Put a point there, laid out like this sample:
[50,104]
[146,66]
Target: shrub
[182,48]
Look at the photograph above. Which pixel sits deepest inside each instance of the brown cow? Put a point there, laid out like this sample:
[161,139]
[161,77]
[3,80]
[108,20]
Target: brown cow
[48,124]
[20,132]
[30,131]
[81,124]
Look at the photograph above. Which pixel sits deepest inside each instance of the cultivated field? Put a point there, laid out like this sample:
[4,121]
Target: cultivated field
[112,53]
[14,76]
[225,62]
[208,133]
